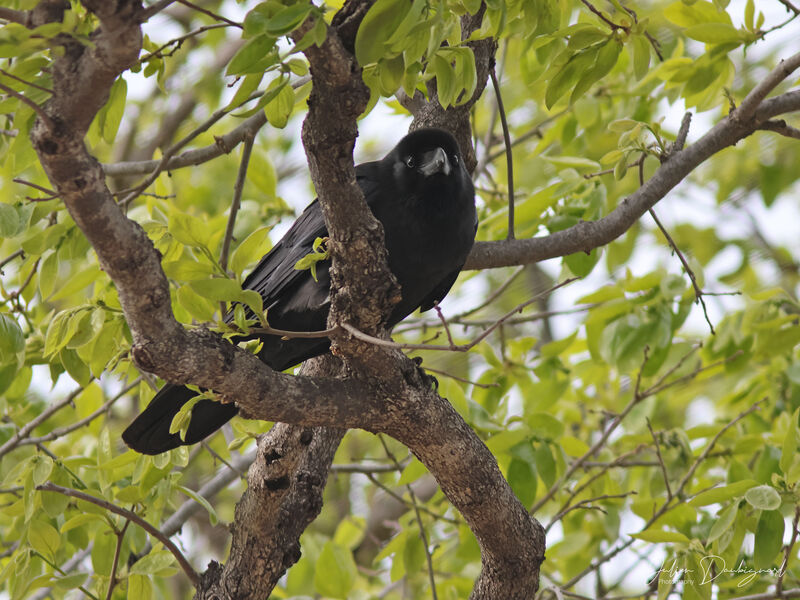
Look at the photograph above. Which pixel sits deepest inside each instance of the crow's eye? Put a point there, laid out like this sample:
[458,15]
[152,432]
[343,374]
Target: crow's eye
[410,162]
[455,159]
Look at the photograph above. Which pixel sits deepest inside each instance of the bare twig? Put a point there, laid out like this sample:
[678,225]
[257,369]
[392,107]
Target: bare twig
[660,459]
[155,9]
[11,257]
[698,293]
[423,536]
[787,553]
[509,155]
[62,431]
[178,41]
[26,82]
[781,127]
[602,17]
[132,516]
[747,109]
[14,16]
[461,379]
[214,16]
[112,580]
[237,197]
[457,348]
[36,421]
[666,506]
[36,108]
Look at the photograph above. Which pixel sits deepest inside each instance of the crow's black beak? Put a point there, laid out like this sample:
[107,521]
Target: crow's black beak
[435,161]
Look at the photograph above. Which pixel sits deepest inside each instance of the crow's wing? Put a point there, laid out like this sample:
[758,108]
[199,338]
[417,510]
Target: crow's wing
[275,277]
[440,291]
[275,274]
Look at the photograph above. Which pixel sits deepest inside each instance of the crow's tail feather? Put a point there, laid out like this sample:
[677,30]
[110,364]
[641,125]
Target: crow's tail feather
[149,433]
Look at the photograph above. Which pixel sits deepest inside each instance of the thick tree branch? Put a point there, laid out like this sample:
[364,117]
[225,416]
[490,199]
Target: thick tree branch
[587,235]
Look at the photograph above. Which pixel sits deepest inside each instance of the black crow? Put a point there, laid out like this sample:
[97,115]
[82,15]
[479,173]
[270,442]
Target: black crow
[422,194]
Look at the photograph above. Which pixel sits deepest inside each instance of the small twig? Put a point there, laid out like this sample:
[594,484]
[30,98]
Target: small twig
[790,7]
[36,108]
[698,293]
[461,379]
[658,387]
[237,198]
[683,133]
[619,461]
[131,516]
[28,83]
[492,297]
[36,186]
[284,333]
[62,431]
[440,314]
[660,459]
[14,16]
[458,348]
[602,17]
[365,469]
[170,152]
[11,257]
[36,421]
[509,155]
[155,9]
[112,580]
[584,503]
[781,127]
[178,41]
[787,553]
[751,102]
[214,16]
[423,536]
[595,447]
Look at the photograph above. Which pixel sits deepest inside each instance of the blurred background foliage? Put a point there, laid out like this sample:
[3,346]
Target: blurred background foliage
[650,445]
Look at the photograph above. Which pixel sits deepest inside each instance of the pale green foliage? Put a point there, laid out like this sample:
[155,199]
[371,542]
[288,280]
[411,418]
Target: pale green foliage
[582,97]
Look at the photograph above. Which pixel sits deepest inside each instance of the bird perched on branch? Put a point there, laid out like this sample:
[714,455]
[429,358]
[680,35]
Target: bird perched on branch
[422,195]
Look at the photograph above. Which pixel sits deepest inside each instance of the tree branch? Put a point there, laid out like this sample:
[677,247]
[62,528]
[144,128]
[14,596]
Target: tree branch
[587,235]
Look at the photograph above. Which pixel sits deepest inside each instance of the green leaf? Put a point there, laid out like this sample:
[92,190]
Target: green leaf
[12,341]
[251,249]
[44,538]
[279,108]
[335,571]
[378,25]
[224,290]
[714,33]
[212,514]
[657,536]
[110,115]
[722,493]
[140,587]
[9,221]
[287,20]
[641,55]
[569,74]
[255,56]
[522,480]
[606,60]
[764,497]
[724,521]
[768,539]
[580,263]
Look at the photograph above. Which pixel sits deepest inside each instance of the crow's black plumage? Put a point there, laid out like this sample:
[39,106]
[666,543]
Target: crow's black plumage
[423,196]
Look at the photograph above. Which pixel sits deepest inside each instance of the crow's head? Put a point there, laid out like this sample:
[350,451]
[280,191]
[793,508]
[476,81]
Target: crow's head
[427,163]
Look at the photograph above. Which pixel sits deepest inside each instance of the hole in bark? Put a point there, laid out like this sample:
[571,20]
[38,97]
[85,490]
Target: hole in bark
[306,437]
[272,456]
[280,483]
